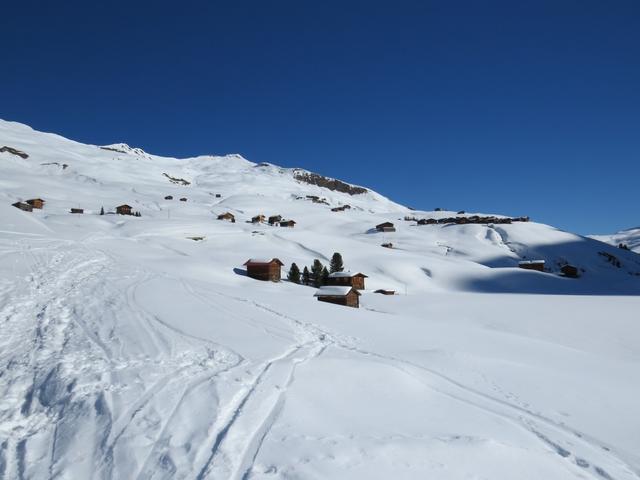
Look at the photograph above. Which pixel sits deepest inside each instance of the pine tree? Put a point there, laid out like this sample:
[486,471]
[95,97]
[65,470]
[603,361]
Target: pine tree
[336,264]
[294,274]
[316,273]
[306,278]
[101,210]
[325,276]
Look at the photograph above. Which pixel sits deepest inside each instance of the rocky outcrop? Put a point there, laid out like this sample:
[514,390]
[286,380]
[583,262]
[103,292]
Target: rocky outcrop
[329,183]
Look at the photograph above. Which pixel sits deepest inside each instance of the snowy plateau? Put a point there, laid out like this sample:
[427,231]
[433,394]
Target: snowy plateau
[138,348]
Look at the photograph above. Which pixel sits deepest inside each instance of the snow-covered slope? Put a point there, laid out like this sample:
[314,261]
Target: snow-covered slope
[630,238]
[129,350]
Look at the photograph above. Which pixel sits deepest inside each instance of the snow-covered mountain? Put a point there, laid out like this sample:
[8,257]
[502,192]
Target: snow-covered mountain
[629,238]
[130,350]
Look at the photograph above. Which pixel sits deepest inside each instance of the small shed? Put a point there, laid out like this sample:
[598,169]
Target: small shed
[288,223]
[23,206]
[169,197]
[258,219]
[183,199]
[218,195]
[382,291]
[386,227]
[346,296]
[387,245]
[227,216]
[36,202]
[570,271]
[532,265]
[77,210]
[275,219]
[264,269]
[347,279]
[124,209]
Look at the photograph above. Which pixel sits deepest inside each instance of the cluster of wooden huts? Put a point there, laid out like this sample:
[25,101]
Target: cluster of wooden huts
[29,205]
[566,270]
[477,219]
[342,288]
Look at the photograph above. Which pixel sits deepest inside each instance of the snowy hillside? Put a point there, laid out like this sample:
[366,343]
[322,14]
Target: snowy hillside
[629,238]
[130,350]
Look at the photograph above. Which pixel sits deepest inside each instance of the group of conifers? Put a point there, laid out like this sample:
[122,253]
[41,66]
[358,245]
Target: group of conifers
[318,274]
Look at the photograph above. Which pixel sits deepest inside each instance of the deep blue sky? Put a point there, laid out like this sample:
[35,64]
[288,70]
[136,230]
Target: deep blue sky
[523,108]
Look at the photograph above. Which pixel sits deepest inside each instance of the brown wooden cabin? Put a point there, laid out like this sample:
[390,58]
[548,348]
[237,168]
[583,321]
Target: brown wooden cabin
[124,209]
[264,269]
[227,216]
[346,296]
[532,265]
[382,291]
[77,210]
[258,219]
[36,203]
[288,223]
[23,206]
[275,219]
[169,197]
[183,199]
[570,271]
[347,279]
[386,227]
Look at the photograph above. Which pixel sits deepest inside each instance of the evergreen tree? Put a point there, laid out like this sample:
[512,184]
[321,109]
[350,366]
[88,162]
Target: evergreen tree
[306,278]
[294,274]
[316,273]
[336,264]
[101,210]
[325,276]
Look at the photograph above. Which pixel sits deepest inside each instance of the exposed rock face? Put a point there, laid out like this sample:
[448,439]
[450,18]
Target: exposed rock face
[176,180]
[14,152]
[330,183]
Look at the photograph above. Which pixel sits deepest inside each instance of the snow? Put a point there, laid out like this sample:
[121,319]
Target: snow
[332,291]
[630,238]
[128,350]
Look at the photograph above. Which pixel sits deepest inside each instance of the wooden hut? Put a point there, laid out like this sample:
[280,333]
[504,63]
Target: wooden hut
[532,265]
[124,209]
[387,245]
[386,227]
[36,203]
[264,269]
[183,199]
[77,210]
[23,206]
[570,271]
[218,195]
[273,219]
[258,219]
[169,197]
[347,279]
[382,291]
[288,223]
[347,296]
[227,216]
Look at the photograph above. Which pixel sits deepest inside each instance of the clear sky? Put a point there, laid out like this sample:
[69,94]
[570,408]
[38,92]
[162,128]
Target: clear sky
[522,108]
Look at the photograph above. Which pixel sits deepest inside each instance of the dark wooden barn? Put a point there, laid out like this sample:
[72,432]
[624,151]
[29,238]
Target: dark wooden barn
[347,279]
[386,227]
[346,296]
[77,210]
[23,206]
[227,216]
[124,209]
[275,219]
[258,219]
[264,269]
[570,271]
[36,202]
[532,265]
[288,223]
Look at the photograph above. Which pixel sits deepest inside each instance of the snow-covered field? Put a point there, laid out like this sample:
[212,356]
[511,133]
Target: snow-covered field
[129,350]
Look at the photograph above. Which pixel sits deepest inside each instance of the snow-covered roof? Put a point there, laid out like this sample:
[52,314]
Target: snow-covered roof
[262,260]
[530,262]
[333,291]
[346,274]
